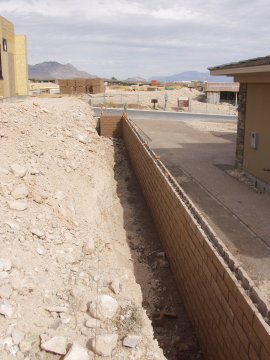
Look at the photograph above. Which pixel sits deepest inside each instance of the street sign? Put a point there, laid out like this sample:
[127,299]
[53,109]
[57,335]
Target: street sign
[183,101]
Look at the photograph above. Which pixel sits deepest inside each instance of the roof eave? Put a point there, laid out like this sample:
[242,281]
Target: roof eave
[239,70]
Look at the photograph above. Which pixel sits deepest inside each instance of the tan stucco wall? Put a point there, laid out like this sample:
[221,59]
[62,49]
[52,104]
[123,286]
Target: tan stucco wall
[7,32]
[257,78]
[21,65]
[258,120]
[14,61]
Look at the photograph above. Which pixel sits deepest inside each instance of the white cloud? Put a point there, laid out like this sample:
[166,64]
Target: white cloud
[127,37]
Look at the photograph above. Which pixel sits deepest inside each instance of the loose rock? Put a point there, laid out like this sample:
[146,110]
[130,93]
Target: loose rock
[92,323]
[18,170]
[131,341]
[103,345]
[38,233]
[82,137]
[89,247]
[41,251]
[20,192]
[17,205]
[56,345]
[104,308]
[6,308]
[77,352]
[115,286]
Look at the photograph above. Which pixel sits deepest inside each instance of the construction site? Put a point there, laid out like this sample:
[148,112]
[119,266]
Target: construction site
[130,236]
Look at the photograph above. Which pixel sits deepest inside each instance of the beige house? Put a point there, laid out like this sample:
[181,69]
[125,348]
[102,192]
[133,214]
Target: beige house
[253,132]
[13,61]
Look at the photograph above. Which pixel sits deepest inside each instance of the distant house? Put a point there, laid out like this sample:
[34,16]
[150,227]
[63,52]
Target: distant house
[13,61]
[253,145]
[40,87]
[221,92]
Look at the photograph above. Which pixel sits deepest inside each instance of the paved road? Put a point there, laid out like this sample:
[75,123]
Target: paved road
[167,115]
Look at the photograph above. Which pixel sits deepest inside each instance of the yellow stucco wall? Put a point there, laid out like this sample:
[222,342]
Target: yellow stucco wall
[258,120]
[7,32]
[21,65]
[14,61]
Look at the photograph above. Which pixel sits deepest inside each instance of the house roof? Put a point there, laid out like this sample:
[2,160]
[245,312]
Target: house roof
[218,86]
[261,64]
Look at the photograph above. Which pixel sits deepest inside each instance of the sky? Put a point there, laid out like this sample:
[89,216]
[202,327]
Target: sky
[127,38]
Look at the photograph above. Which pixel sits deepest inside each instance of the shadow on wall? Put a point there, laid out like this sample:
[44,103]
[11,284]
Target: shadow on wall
[151,269]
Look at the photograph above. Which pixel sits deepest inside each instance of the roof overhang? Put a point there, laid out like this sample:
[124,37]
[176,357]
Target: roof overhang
[240,70]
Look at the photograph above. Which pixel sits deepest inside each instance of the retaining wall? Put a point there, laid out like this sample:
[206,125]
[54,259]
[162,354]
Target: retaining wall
[111,126]
[224,306]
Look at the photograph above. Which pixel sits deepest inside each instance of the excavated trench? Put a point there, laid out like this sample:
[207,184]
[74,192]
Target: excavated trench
[161,299]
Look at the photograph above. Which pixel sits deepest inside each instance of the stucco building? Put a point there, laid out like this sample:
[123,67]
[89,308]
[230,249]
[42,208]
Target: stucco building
[253,145]
[13,61]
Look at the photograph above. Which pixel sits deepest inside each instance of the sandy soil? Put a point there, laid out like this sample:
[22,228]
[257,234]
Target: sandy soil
[63,238]
[142,99]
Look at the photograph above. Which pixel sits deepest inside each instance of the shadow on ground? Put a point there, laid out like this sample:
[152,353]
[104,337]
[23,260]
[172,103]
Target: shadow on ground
[175,335]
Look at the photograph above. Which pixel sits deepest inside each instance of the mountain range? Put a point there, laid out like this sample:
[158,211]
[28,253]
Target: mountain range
[55,70]
[192,75]
[136,78]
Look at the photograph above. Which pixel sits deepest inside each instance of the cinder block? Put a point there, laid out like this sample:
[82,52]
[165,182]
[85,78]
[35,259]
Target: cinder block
[241,334]
[265,355]
[223,287]
[262,330]
[253,354]
[256,343]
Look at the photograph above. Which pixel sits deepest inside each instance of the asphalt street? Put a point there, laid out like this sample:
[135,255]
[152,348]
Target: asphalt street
[166,115]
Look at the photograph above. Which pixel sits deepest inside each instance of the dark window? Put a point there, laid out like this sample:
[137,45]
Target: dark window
[4,44]
[1,75]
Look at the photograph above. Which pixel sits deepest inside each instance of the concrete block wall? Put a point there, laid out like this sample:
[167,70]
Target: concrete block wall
[111,126]
[81,86]
[227,312]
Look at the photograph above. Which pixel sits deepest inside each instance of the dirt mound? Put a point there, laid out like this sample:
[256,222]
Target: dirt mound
[63,239]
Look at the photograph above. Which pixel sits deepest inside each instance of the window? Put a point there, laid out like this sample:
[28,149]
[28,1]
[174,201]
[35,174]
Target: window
[1,74]
[4,44]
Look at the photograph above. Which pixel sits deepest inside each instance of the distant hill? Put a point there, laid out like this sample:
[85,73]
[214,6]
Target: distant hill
[192,75]
[136,79]
[55,70]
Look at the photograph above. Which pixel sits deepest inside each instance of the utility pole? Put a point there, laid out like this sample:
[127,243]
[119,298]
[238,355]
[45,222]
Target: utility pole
[166,97]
